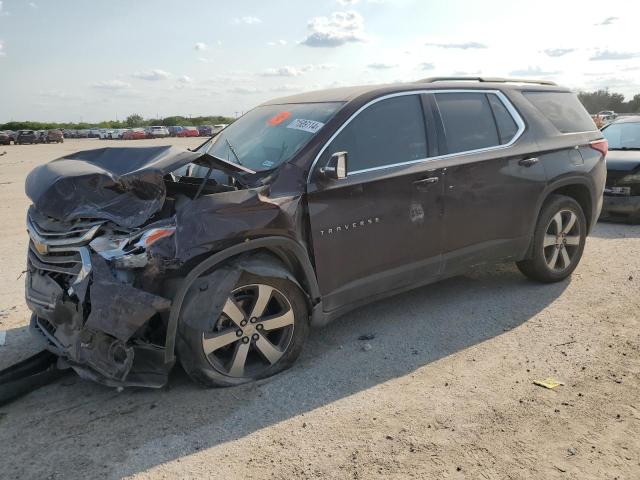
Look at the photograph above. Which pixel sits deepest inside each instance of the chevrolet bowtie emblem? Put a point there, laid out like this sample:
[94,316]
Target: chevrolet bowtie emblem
[41,247]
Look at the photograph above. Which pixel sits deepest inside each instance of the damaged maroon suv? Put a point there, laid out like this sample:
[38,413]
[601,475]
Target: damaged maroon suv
[303,209]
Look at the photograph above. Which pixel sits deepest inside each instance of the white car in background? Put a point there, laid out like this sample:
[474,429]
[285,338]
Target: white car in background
[158,132]
[218,128]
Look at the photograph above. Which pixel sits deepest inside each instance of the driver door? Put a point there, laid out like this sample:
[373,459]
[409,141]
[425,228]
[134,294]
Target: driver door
[379,229]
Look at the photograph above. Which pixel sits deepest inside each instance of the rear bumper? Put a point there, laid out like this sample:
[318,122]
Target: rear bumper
[621,208]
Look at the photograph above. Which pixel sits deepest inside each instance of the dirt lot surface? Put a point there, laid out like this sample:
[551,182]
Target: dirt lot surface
[444,390]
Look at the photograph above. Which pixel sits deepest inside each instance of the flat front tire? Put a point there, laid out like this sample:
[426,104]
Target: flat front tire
[261,330]
[558,241]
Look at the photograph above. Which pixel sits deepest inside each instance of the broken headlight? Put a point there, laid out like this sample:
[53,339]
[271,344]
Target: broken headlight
[129,251]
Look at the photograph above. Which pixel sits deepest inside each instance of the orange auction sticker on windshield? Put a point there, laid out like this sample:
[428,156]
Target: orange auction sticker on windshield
[279,118]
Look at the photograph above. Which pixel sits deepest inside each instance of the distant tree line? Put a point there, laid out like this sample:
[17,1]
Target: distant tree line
[131,121]
[601,100]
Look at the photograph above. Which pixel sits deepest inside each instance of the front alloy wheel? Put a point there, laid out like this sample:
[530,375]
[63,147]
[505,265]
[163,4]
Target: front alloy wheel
[252,333]
[259,332]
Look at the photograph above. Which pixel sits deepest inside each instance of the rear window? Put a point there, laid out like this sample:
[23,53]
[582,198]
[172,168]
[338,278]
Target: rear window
[563,110]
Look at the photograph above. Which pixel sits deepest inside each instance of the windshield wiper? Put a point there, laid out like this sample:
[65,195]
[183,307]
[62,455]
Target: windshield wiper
[233,150]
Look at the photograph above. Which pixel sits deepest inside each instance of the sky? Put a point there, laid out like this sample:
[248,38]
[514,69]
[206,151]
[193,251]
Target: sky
[83,60]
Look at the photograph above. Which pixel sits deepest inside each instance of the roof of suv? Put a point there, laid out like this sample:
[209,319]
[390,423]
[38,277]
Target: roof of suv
[345,94]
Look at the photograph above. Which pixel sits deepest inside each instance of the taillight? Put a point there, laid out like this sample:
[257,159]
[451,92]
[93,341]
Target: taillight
[601,145]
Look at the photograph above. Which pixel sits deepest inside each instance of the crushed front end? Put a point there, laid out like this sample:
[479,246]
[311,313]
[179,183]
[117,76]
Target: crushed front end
[89,285]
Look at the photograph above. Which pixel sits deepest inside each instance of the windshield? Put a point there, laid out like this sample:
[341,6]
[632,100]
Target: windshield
[269,135]
[623,136]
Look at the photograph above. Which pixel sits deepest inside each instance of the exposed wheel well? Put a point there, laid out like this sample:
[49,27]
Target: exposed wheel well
[580,193]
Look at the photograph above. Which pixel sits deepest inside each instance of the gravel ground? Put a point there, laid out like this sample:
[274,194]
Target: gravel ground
[444,390]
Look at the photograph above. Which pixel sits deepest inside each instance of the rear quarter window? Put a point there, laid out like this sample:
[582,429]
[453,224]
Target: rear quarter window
[563,110]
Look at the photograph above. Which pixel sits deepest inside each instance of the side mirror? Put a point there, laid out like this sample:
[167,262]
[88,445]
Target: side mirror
[336,167]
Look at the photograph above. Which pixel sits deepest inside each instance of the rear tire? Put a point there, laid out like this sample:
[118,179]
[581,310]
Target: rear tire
[558,241]
[213,358]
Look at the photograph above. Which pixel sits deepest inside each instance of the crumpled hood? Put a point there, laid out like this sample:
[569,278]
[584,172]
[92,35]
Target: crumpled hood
[623,160]
[124,185]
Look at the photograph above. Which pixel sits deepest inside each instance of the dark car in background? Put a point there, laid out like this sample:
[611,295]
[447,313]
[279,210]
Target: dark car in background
[303,209]
[205,130]
[26,137]
[5,138]
[54,136]
[174,130]
[622,192]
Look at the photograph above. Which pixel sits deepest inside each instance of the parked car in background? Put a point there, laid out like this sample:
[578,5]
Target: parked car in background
[188,132]
[622,192]
[83,133]
[54,136]
[205,130]
[5,138]
[174,130]
[134,134]
[303,209]
[219,127]
[26,137]
[94,133]
[157,132]
[116,134]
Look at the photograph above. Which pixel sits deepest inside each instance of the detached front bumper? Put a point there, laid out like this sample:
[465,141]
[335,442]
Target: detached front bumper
[83,314]
[621,208]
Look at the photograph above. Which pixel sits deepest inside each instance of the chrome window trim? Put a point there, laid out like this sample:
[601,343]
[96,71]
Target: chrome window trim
[501,96]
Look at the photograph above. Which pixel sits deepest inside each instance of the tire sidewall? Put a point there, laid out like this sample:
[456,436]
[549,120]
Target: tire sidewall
[195,362]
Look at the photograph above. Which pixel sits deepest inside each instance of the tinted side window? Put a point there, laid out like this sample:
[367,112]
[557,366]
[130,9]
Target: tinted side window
[388,132]
[468,121]
[563,109]
[507,127]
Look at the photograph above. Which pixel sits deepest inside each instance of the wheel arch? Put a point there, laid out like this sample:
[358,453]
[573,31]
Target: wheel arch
[290,252]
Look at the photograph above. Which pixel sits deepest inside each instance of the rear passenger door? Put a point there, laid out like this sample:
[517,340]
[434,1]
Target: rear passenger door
[490,187]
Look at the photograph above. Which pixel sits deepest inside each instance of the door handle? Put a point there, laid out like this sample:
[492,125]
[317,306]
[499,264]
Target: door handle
[528,162]
[427,180]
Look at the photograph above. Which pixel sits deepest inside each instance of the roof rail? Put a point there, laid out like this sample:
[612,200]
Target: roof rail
[486,79]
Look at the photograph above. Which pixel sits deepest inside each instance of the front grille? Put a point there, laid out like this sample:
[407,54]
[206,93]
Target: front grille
[60,249]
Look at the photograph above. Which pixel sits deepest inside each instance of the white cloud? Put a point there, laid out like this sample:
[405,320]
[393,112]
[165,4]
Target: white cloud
[246,20]
[33,5]
[152,75]
[607,21]
[245,90]
[285,71]
[2,52]
[461,46]
[278,42]
[533,71]
[336,30]
[347,2]
[427,66]
[200,46]
[185,79]
[610,55]
[205,60]
[3,13]
[382,66]
[558,52]
[111,85]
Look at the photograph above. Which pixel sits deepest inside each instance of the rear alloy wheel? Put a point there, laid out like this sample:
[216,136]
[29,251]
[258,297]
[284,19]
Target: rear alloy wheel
[558,242]
[260,332]
[562,240]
